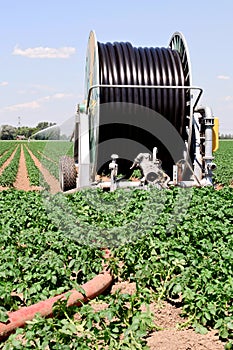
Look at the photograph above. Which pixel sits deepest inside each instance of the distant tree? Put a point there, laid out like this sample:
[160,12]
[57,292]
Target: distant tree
[44,125]
[50,133]
[226,136]
[30,131]
[7,132]
[26,131]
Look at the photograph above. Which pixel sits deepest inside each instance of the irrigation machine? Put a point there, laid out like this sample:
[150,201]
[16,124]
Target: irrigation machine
[141,112]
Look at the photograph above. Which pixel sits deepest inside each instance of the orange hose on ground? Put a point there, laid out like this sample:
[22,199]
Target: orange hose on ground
[92,289]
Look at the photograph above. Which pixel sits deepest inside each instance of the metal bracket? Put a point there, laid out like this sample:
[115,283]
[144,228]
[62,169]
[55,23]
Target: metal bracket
[152,169]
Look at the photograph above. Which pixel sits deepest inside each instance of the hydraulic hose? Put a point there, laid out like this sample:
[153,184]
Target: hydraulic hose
[92,289]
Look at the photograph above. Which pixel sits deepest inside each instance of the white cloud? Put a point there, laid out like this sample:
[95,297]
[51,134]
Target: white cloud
[42,87]
[36,103]
[223,77]
[44,52]
[57,96]
[228,98]
[4,83]
[26,105]
[35,89]
[61,95]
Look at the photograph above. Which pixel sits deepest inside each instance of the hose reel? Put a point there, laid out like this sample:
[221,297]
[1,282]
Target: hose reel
[124,86]
[150,77]
[123,64]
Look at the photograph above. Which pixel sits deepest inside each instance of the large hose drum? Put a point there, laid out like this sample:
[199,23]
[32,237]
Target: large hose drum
[124,85]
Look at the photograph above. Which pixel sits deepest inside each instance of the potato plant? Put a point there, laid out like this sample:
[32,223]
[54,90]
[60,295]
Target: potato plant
[223,158]
[175,244]
[189,260]
[7,178]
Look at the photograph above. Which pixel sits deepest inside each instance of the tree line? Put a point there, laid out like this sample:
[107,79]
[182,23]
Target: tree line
[226,136]
[9,132]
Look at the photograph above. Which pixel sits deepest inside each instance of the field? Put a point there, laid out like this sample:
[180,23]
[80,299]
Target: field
[171,257]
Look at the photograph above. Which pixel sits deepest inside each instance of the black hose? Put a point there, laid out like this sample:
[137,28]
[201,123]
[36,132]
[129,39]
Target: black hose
[123,64]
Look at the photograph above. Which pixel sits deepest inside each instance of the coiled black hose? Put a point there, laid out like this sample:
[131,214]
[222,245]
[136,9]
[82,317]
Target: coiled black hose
[123,64]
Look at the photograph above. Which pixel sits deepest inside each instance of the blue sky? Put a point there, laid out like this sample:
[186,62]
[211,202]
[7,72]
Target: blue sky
[43,48]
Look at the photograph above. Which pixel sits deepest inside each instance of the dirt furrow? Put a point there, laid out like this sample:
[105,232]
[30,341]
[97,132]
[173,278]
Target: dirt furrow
[49,178]
[22,180]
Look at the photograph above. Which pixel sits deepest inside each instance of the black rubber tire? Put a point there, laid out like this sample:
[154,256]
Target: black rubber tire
[67,173]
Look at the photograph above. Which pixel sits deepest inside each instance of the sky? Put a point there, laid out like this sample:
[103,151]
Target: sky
[43,50]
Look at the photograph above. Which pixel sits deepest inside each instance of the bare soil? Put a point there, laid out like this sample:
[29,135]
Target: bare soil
[167,319]
[22,180]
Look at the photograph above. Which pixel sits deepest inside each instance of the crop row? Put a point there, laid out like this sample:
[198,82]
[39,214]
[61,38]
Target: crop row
[174,245]
[34,174]
[6,146]
[49,154]
[49,165]
[51,150]
[8,176]
[6,154]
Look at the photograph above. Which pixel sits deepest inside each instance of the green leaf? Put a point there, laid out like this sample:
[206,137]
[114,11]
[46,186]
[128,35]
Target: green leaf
[200,329]
[3,315]
[223,333]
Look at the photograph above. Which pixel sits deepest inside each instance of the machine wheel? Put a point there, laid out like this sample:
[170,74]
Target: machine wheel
[67,173]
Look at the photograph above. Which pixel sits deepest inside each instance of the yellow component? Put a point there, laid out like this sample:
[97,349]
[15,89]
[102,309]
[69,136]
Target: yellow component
[215,143]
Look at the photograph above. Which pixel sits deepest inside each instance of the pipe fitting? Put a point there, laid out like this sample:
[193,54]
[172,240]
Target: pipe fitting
[208,121]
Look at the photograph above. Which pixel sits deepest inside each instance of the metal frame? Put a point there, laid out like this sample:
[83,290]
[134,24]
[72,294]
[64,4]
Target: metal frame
[84,164]
[145,87]
[192,107]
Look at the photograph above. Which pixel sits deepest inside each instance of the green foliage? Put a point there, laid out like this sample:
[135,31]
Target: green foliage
[39,260]
[223,158]
[6,151]
[49,153]
[189,259]
[176,245]
[121,325]
[34,174]
[136,174]
[53,150]
[193,260]
[7,178]
[6,146]
[7,132]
